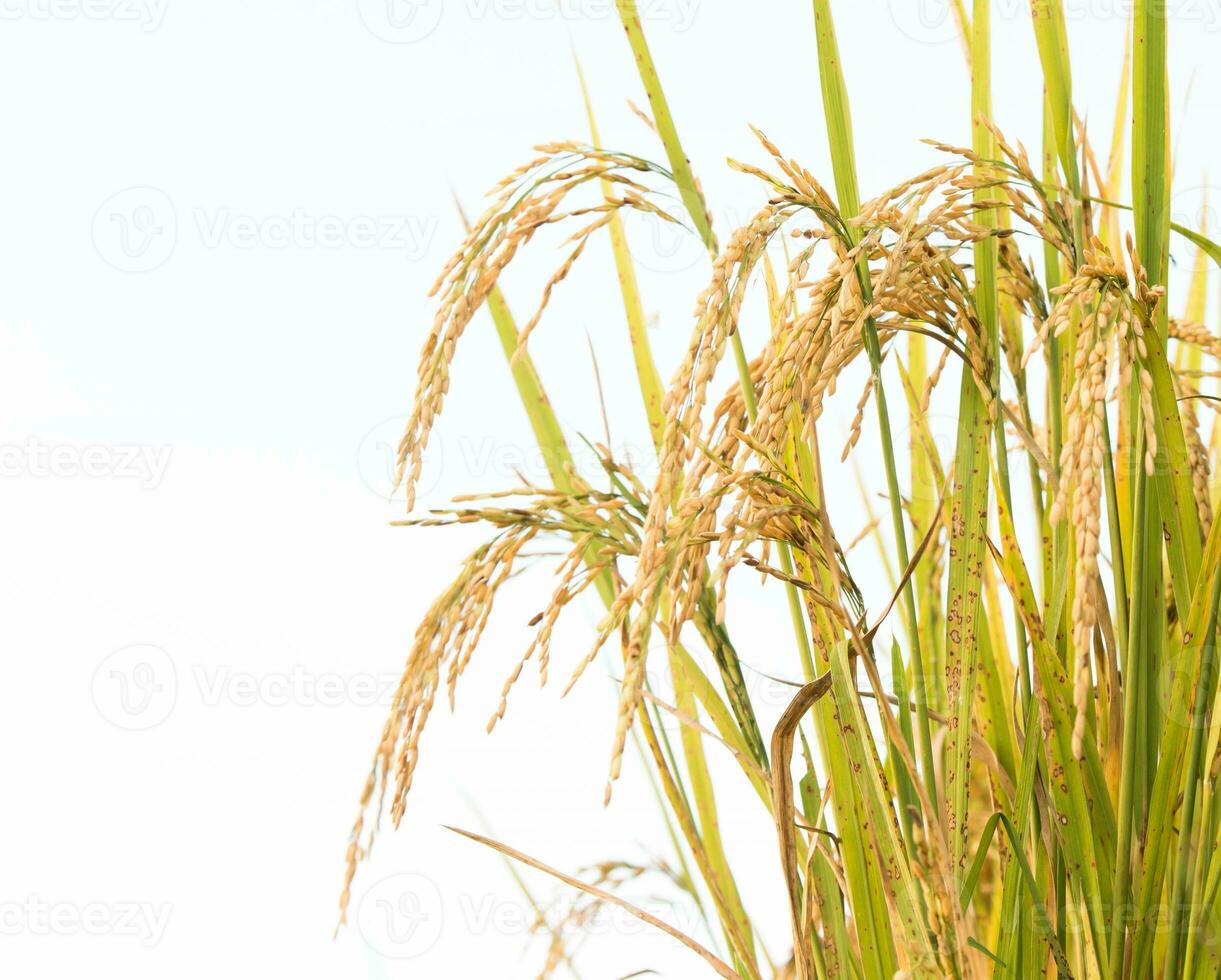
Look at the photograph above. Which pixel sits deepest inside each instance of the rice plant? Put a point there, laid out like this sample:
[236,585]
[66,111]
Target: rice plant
[1006,769]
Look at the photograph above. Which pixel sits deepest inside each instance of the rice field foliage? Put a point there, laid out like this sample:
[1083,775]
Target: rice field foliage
[1008,769]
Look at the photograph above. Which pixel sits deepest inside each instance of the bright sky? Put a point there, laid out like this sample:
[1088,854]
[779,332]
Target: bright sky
[219,226]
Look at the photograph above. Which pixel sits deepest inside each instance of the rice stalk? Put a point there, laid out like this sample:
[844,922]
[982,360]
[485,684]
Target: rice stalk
[1032,789]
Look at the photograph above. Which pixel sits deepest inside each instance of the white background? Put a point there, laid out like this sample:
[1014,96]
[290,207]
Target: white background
[197,396]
